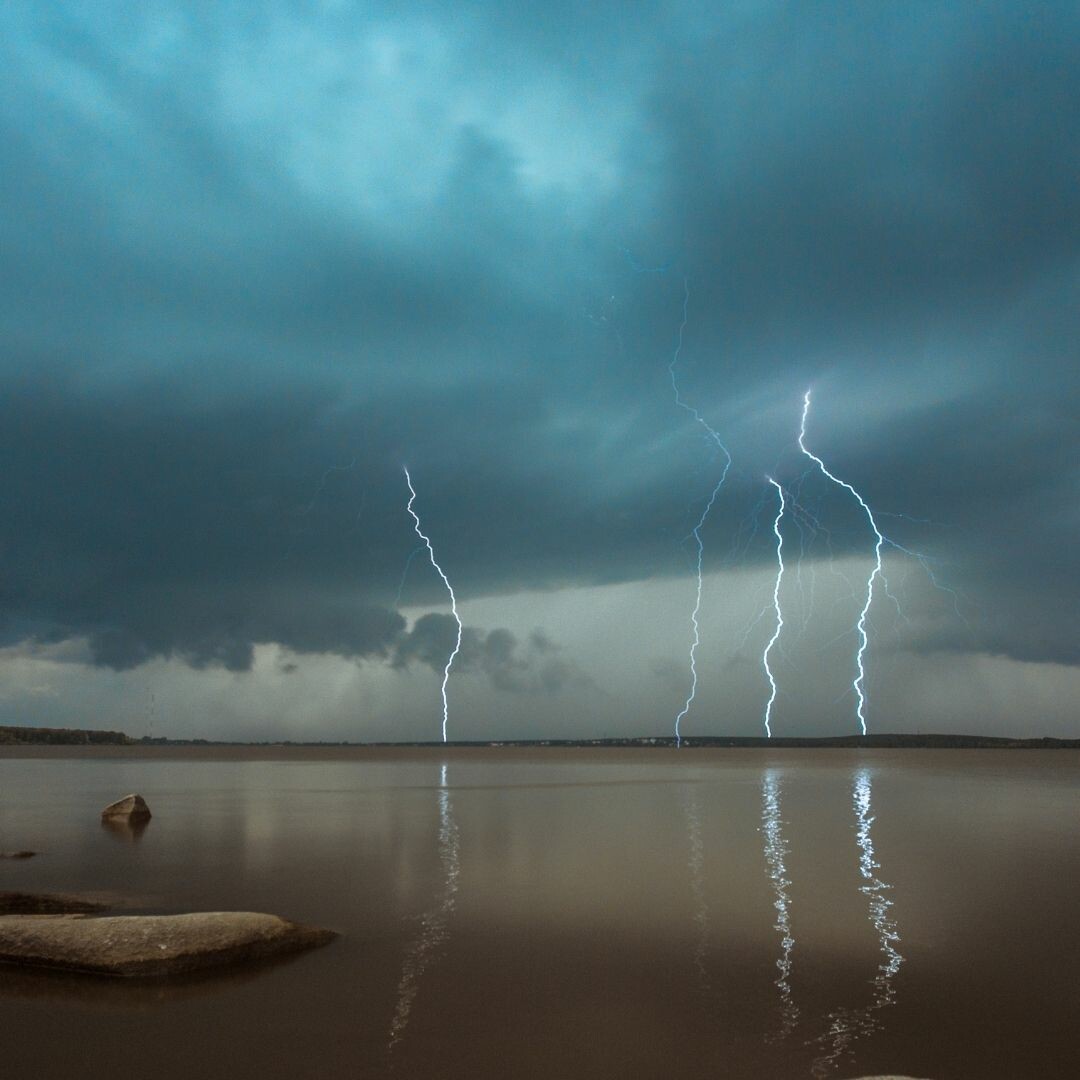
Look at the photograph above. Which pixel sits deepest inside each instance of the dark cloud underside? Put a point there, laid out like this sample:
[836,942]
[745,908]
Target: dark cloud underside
[254,260]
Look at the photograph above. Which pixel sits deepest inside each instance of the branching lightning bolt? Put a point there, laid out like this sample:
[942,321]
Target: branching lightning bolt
[878,571]
[714,435]
[449,589]
[776,607]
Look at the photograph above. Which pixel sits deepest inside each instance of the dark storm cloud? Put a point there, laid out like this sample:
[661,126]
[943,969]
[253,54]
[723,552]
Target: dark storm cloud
[536,666]
[247,245]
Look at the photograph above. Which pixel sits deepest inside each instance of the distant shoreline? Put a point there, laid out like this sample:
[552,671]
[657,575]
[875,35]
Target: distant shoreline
[16,742]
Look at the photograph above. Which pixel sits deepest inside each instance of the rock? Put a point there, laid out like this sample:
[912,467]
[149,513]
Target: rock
[151,945]
[129,808]
[20,903]
[17,854]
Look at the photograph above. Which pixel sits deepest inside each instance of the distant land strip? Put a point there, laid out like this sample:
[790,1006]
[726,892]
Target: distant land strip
[34,736]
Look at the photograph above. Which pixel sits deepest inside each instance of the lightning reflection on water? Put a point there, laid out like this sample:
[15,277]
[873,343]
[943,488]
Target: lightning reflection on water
[847,1025]
[776,849]
[434,922]
[692,811]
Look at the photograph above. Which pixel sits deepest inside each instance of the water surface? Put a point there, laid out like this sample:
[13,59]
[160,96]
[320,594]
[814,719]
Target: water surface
[569,913]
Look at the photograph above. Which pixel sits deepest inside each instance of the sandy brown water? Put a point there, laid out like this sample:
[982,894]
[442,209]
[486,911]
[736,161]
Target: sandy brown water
[569,913]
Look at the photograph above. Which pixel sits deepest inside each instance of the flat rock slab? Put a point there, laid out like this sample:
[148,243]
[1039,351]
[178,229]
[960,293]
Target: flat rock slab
[151,945]
[21,903]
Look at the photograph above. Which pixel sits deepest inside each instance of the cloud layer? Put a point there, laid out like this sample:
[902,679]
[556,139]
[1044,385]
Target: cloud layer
[255,262]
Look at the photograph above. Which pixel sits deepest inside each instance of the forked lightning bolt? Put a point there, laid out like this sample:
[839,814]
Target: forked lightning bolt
[714,435]
[776,607]
[449,589]
[878,570]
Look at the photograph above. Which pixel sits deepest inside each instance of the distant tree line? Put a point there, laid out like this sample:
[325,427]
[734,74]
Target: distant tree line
[63,737]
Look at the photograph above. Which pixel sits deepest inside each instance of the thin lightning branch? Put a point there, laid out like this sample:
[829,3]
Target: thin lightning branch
[405,573]
[319,490]
[322,483]
[449,589]
[776,607]
[714,435]
[878,571]
[639,268]
[924,561]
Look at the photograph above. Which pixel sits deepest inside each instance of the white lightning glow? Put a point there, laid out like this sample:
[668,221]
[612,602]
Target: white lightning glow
[776,607]
[715,436]
[449,589]
[859,684]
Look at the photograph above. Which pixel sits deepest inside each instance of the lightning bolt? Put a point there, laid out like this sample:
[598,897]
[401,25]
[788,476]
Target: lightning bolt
[714,435]
[449,589]
[878,571]
[776,606]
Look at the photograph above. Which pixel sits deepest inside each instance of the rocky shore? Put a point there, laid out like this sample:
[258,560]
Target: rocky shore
[70,933]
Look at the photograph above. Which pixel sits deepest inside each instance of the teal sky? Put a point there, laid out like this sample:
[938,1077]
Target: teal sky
[256,257]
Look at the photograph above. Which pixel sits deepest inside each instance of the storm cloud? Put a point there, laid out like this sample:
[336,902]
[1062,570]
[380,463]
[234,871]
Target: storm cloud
[257,257]
[537,666]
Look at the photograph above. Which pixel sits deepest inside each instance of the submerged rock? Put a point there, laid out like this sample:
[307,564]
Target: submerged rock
[151,945]
[20,903]
[129,808]
[17,854]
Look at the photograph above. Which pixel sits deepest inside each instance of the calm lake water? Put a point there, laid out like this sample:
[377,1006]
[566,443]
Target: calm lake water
[571,913]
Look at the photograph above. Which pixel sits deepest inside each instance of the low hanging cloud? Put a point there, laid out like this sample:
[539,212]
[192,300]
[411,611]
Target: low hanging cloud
[218,637]
[211,639]
[535,666]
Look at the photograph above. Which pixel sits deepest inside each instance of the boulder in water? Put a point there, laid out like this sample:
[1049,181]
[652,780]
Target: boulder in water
[151,945]
[129,808]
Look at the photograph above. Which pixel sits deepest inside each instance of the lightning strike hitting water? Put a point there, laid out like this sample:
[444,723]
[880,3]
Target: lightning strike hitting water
[449,589]
[776,607]
[878,571]
[714,435]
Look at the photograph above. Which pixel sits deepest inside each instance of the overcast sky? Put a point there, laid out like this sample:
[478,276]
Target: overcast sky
[257,257]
